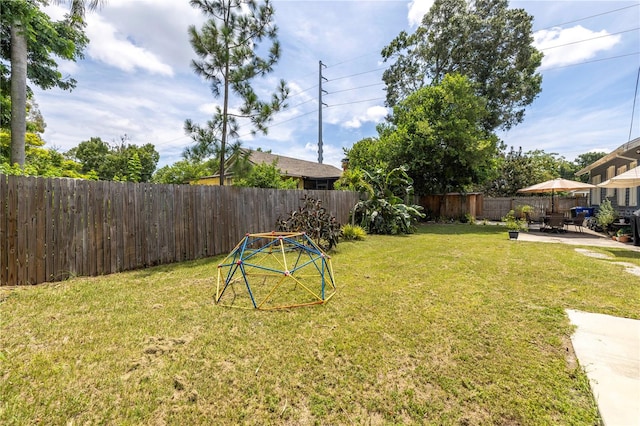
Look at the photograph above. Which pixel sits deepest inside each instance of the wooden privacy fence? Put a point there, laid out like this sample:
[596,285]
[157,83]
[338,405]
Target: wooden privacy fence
[51,229]
[457,205]
[496,208]
[452,206]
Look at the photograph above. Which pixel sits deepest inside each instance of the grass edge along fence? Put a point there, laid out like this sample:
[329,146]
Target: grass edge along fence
[55,228]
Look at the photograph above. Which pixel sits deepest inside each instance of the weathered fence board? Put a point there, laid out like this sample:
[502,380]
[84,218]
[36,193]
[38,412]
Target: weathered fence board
[12,230]
[51,229]
[4,258]
[454,205]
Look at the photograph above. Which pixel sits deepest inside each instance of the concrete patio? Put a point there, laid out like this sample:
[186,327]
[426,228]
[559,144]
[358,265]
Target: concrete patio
[607,347]
[585,238]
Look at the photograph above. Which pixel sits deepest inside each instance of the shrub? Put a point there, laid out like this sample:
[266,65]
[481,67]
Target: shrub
[353,233]
[314,220]
[606,215]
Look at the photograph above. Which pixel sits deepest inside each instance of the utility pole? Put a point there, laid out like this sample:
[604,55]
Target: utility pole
[320,104]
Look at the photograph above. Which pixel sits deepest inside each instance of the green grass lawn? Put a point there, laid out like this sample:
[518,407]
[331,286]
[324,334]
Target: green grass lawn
[453,325]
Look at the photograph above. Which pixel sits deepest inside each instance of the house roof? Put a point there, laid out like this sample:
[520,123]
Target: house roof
[294,167]
[617,153]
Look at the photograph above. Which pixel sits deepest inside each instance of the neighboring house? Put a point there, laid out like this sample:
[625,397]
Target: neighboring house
[310,175]
[624,158]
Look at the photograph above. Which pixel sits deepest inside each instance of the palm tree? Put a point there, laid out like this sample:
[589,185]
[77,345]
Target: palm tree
[19,52]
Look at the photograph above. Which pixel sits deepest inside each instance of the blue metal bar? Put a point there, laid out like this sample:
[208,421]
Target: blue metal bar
[244,276]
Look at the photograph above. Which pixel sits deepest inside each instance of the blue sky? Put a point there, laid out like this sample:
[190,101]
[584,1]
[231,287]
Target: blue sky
[136,78]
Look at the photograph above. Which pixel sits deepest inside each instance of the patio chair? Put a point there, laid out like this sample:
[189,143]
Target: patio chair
[555,223]
[577,222]
[532,221]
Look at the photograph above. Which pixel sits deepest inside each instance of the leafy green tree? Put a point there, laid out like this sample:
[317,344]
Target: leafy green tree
[437,133]
[266,176]
[484,40]
[91,154]
[5,100]
[548,165]
[369,153]
[518,170]
[227,46]
[147,156]
[114,162]
[183,171]
[29,42]
[134,168]
[583,160]
[39,161]
[384,211]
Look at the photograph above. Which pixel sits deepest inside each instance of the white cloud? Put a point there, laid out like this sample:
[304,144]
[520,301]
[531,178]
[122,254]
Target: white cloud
[417,9]
[571,131]
[160,26]
[149,90]
[208,108]
[67,67]
[567,46]
[115,49]
[373,114]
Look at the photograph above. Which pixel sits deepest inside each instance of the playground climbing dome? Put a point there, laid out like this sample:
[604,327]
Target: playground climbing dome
[275,270]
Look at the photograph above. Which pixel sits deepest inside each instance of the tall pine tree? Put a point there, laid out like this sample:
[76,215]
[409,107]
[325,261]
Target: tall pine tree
[227,47]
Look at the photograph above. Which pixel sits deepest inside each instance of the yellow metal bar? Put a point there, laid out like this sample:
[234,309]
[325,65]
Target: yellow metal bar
[330,266]
[284,256]
[305,287]
[271,292]
[319,302]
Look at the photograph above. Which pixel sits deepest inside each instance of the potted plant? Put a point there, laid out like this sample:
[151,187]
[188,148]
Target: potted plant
[514,226]
[624,234]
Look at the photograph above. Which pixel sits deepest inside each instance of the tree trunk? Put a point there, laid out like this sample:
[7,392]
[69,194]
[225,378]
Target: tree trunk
[18,93]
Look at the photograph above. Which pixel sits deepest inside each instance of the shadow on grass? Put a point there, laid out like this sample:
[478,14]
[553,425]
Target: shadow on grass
[622,253]
[212,261]
[460,229]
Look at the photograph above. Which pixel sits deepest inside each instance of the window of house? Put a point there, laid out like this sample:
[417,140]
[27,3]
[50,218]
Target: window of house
[622,192]
[596,192]
[633,192]
[611,172]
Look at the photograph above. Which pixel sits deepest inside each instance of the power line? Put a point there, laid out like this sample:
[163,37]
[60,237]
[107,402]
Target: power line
[302,103]
[383,68]
[356,74]
[540,29]
[282,122]
[592,61]
[355,102]
[353,59]
[590,39]
[356,88]
[302,91]
[589,17]
[633,109]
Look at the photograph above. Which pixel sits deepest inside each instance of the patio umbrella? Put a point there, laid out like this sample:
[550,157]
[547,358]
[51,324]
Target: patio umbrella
[557,184]
[628,179]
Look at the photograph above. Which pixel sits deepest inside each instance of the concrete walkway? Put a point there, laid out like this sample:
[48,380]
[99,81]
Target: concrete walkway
[608,348]
[585,238]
